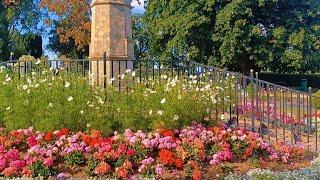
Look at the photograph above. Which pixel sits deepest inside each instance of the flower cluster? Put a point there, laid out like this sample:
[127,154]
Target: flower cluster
[182,152]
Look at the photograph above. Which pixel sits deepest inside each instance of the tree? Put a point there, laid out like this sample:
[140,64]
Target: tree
[277,35]
[141,38]
[15,24]
[71,20]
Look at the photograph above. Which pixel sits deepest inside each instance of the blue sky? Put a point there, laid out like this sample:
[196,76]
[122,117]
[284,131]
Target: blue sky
[136,9]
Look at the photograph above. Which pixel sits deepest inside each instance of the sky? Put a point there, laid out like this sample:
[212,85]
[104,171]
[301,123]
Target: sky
[136,9]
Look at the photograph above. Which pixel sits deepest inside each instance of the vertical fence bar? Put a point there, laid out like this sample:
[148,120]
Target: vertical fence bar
[244,101]
[104,70]
[275,111]
[19,69]
[291,114]
[316,119]
[120,75]
[268,109]
[252,100]
[310,129]
[112,72]
[299,114]
[237,98]
[283,115]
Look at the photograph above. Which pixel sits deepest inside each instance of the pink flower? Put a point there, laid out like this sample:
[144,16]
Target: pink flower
[48,161]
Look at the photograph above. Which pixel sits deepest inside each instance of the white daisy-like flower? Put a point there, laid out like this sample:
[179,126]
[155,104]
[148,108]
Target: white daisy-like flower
[150,112]
[128,71]
[175,117]
[67,84]
[163,100]
[133,74]
[25,87]
[8,108]
[82,111]
[160,113]
[50,105]
[122,76]
[70,98]
[37,62]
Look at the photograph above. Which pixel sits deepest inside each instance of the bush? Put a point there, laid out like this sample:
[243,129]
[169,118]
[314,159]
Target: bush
[48,100]
[39,169]
[75,158]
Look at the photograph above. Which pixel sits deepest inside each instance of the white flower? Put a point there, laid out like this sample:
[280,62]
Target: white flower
[233,138]
[118,109]
[179,96]
[81,112]
[150,112]
[67,84]
[122,76]
[8,108]
[222,117]
[50,105]
[128,71]
[163,100]
[70,98]
[2,69]
[25,87]
[175,117]
[37,62]
[88,125]
[160,113]
[133,74]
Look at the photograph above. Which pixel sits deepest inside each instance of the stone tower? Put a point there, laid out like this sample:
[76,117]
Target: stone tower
[111,32]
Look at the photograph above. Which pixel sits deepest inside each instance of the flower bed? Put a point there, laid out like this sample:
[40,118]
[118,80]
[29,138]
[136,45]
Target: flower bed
[185,153]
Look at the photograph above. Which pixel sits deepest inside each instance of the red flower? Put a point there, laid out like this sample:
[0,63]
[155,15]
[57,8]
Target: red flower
[95,142]
[48,137]
[196,175]
[131,152]
[86,139]
[179,163]
[63,131]
[166,157]
[32,141]
[165,133]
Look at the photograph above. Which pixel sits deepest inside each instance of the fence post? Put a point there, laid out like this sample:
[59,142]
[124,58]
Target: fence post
[252,100]
[19,69]
[104,69]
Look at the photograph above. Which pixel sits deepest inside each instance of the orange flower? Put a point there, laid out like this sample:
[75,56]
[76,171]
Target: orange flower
[122,172]
[2,139]
[102,168]
[199,143]
[196,175]
[127,164]
[95,134]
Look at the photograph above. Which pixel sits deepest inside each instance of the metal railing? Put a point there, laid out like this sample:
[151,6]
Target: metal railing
[278,113]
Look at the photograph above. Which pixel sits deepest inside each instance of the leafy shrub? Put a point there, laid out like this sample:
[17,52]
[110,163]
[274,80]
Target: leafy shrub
[39,169]
[75,158]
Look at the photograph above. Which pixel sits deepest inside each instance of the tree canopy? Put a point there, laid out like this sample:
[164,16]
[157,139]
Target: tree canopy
[276,35]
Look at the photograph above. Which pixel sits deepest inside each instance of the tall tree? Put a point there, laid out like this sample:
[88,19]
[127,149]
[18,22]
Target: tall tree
[281,35]
[71,20]
[16,24]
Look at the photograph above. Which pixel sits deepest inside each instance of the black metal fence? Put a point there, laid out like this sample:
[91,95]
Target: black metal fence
[278,113]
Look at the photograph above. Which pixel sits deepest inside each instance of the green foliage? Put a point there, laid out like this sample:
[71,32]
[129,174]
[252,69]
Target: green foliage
[19,28]
[238,34]
[48,101]
[39,169]
[91,165]
[75,158]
